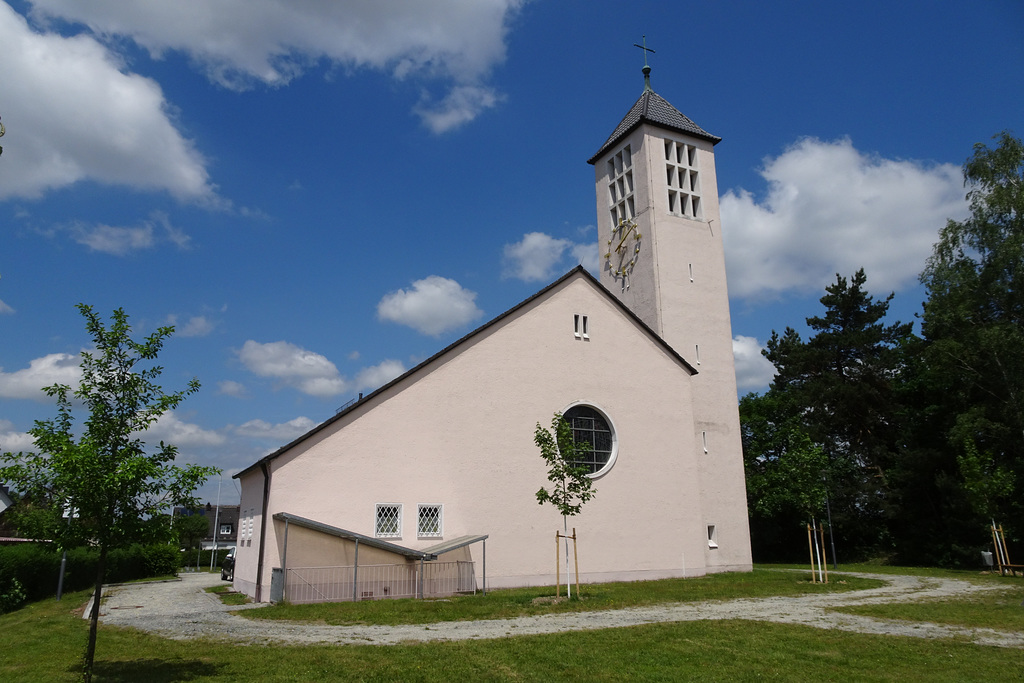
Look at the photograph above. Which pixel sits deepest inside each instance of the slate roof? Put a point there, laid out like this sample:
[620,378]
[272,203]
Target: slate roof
[654,109]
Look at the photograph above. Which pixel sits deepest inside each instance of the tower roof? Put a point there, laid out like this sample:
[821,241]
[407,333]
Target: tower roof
[654,109]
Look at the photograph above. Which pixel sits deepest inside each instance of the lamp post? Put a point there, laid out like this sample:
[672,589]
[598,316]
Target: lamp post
[216,523]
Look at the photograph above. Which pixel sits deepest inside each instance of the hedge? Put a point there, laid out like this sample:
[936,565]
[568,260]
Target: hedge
[29,571]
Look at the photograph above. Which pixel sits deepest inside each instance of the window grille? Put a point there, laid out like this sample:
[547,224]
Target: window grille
[429,524]
[682,179]
[590,427]
[389,521]
[620,186]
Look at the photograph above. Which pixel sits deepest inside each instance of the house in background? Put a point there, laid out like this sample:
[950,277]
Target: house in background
[428,484]
[222,523]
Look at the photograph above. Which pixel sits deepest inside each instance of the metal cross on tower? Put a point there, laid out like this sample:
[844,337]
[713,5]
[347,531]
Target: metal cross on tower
[645,49]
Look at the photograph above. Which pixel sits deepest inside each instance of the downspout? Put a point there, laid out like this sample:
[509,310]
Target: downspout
[263,531]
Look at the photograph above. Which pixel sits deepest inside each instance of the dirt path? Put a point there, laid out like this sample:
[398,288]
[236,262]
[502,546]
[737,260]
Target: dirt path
[182,610]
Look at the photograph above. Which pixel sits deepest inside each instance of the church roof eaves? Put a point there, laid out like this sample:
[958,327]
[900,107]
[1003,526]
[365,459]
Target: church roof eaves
[578,270]
[654,109]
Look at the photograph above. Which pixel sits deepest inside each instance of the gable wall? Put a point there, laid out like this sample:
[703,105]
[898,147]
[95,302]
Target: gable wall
[461,434]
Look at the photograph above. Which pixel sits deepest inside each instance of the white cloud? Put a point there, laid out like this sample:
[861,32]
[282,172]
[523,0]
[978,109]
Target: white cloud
[231,388]
[121,241]
[4,308]
[241,42]
[54,368]
[113,240]
[539,256]
[753,371]
[379,375]
[461,105]
[170,429]
[434,305]
[833,209]
[587,255]
[73,113]
[12,441]
[197,326]
[294,366]
[284,431]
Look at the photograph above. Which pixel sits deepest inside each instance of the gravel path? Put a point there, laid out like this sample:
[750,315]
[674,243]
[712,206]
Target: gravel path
[183,610]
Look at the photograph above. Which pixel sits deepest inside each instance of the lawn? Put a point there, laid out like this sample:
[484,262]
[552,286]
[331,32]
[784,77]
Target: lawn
[44,641]
[508,604]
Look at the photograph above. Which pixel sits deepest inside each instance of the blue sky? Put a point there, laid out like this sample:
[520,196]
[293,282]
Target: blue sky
[319,195]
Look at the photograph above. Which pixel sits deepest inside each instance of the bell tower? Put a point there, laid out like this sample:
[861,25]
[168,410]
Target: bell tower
[661,254]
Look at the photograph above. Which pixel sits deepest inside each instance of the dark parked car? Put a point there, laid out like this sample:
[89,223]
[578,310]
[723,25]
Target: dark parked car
[227,567]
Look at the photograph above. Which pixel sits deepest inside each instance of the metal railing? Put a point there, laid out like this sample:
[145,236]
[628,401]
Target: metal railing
[378,581]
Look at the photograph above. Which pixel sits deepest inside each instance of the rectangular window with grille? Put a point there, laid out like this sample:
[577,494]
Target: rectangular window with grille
[389,521]
[430,520]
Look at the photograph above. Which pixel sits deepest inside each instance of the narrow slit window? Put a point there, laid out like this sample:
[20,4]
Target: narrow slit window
[585,326]
[712,536]
[576,325]
[704,440]
[696,349]
[691,272]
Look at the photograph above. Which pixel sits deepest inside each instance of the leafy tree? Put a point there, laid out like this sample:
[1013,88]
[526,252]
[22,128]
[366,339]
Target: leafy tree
[190,529]
[833,392]
[102,470]
[571,487]
[973,325]
[786,476]
[562,453]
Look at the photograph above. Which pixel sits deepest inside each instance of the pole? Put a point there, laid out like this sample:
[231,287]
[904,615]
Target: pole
[824,555]
[576,560]
[831,534]
[355,572]
[60,579]
[568,582]
[558,564]
[810,548]
[817,550]
[216,524]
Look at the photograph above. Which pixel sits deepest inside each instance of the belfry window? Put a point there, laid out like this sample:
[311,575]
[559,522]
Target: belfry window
[682,179]
[620,186]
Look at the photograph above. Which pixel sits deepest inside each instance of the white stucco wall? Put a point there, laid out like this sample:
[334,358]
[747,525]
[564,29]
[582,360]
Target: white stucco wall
[679,288]
[459,432]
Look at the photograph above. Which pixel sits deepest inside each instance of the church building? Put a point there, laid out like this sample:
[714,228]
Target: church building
[427,485]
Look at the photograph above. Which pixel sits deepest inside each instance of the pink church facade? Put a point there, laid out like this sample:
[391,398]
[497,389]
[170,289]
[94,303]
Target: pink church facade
[440,463]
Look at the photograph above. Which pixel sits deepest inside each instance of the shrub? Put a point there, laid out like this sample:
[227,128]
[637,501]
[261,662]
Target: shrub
[36,567]
[12,595]
[160,560]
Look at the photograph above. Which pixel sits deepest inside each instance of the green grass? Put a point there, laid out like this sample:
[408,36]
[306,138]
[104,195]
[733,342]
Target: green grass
[507,604]
[1002,610]
[228,596]
[43,642]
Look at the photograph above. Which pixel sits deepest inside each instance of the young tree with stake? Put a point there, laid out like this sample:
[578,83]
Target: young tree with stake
[101,469]
[571,487]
